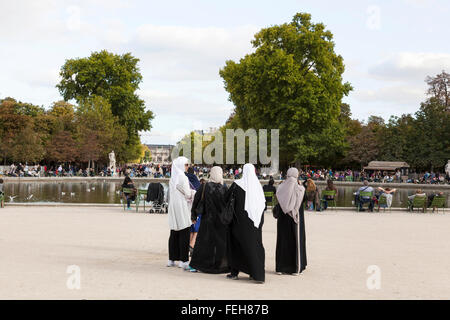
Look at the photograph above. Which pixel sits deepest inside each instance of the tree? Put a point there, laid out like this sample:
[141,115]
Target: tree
[27,146]
[432,135]
[293,82]
[439,88]
[114,78]
[364,147]
[15,117]
[98,131]
[61,147]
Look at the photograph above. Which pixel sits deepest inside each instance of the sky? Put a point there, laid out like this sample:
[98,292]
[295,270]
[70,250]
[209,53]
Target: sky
[389,48]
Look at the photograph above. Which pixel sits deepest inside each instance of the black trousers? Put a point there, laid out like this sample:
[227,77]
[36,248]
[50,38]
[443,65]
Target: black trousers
[179,245]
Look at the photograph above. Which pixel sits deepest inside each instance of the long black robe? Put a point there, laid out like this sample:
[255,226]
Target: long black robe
[290,254]
[210,250]
[245,248]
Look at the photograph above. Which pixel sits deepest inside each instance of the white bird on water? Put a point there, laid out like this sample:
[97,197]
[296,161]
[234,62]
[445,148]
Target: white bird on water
[88,190]
[93,188]
[29,197]
[72,194]
[11,198]
[63,193]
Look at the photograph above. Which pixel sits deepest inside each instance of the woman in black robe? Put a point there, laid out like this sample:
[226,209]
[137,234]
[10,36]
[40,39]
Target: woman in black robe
[245,248]
[210,250]
[290,256]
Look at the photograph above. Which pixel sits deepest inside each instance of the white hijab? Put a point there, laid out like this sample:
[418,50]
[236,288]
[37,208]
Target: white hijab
[255,201]
[216,175]
[179,213]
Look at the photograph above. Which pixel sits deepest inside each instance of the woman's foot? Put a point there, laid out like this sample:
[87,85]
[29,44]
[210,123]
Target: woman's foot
[190,269]
[232,276]
[170,263]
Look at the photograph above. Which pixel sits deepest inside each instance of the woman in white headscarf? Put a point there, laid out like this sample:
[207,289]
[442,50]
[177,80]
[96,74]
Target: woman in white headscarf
[245,247]
[179,213]
[290,256]
[210,250]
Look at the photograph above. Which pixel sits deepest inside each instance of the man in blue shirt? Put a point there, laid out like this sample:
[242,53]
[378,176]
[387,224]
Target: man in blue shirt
[362,200]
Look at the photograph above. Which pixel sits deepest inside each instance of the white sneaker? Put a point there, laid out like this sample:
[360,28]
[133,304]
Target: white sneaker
[170,263]
[181,264]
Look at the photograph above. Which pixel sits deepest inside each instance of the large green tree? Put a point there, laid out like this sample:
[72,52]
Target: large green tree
[116,79]
[293,82]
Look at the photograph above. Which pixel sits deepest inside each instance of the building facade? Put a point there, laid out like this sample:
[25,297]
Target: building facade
[160,153]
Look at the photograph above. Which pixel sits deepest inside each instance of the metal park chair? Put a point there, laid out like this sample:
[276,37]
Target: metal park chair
[141,195]
[438,202]
[363,194]
[418,202]
[329,193]
[382,201]
[270,198]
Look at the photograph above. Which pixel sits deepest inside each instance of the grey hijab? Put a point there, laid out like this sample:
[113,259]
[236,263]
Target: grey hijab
[290,194]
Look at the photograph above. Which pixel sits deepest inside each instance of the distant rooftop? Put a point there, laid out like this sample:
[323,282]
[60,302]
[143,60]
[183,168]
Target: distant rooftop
[386,165]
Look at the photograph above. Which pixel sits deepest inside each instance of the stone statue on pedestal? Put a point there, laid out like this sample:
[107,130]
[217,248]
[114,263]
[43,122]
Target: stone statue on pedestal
[112,162]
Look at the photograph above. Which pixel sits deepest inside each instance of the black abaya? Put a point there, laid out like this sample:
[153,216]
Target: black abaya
[290,256]
[210,250]
[245,248]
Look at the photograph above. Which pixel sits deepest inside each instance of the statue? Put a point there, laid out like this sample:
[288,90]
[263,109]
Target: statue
[112,162]
[447,168]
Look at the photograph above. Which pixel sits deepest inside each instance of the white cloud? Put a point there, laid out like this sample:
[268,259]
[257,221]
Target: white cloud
[410,66]
[394,95]
[191,53]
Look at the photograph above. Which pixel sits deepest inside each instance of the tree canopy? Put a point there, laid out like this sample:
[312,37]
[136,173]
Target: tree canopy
[115,78]
[293,82]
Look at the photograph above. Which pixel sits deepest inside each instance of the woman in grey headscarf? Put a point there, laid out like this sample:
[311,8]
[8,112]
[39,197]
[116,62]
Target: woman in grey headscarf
[210,250]
[291,239]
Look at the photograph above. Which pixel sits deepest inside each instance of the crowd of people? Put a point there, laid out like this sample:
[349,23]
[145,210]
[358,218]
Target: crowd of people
[229,172]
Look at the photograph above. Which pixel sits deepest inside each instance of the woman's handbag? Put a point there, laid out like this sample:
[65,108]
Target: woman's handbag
[276,211]
[228,212]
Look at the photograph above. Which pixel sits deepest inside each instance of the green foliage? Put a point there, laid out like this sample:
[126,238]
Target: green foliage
[293,82]
[114,78]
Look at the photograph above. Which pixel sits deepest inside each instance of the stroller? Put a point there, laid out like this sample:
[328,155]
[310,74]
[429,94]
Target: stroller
[155,195]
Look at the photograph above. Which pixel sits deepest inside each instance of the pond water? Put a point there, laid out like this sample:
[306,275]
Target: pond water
[108,192]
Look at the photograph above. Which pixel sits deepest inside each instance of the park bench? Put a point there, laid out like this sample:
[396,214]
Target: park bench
[331,203]
[419,202]
[438,202]
[349,178]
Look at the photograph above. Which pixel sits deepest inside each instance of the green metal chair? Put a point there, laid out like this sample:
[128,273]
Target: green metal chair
[419,202]
[270,194]
[383,201]
[438,202]
[349,178]
[364,194]
[136,200]
[2,200]
[331,203]
[141,197]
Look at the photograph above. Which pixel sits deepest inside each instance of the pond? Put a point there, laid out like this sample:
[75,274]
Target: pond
[108,192]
